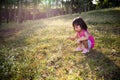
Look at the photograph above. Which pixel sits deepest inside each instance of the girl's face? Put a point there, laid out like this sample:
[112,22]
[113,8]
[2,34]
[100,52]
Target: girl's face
[77,28]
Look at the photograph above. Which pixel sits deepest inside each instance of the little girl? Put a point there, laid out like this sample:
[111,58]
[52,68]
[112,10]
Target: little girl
[85,40]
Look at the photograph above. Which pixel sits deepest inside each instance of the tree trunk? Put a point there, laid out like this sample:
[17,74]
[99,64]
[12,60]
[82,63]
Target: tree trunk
[15,13]
[0,13]
[7,14]
[71,6]
[19,17]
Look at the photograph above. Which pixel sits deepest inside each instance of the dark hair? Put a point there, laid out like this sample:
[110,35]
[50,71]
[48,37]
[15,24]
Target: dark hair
[79,22]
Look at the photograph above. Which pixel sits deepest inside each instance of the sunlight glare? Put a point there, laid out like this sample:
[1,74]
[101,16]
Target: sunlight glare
[95,1]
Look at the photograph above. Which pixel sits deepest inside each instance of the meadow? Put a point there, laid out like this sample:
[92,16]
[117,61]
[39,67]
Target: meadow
[39,50]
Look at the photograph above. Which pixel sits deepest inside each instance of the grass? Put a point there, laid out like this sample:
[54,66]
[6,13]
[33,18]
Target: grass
[38,50]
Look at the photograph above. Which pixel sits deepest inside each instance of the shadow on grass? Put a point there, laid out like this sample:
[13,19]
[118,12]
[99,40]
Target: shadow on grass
[102,66]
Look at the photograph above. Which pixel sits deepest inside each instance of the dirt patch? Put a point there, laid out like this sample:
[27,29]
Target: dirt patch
[8,33]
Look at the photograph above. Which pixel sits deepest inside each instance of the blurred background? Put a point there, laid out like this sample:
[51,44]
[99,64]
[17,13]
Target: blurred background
[22,10]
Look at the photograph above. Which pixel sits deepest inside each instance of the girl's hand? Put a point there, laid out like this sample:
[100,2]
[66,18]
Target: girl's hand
[68,37]
[71,38]
[78,40]
[81,39]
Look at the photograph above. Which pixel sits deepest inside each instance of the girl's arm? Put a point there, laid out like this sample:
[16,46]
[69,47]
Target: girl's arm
[84,38]
[73,38]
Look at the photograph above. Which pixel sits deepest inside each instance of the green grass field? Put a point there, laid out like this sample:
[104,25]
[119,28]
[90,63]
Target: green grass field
[38,50]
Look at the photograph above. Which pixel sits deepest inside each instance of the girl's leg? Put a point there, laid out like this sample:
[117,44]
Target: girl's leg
[79,48]
[80,44]
[86,49]
[85,43]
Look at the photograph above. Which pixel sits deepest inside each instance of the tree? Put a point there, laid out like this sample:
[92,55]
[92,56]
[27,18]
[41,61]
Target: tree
[16,7]
[80,5]
[108,3]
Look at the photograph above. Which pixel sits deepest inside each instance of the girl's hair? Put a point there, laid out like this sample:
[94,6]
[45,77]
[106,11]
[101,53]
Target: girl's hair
[79,22]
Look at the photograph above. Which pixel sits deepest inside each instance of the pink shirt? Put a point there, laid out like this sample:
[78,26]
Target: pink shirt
[91,38]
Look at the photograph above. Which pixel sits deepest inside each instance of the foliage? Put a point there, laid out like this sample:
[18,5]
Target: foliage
[9,8]
[108,3]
